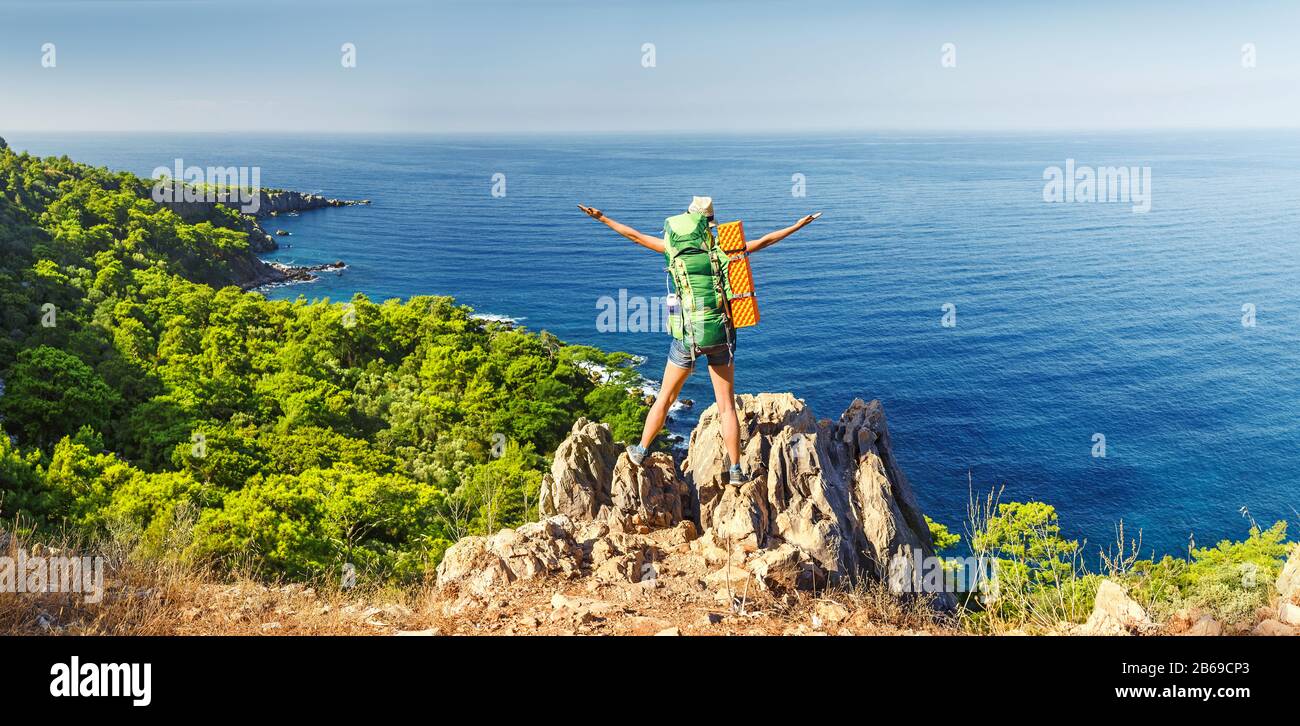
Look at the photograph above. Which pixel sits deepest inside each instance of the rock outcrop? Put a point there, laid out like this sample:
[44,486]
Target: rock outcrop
[1273,628]
[274,202]
[478,564]
[269,203]
[1288,589]
[590,481]
[823,501]
[833,490]
[1115,613]
[554,547]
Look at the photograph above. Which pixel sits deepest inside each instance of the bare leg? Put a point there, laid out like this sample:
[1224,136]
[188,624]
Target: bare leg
[724,390]
[674,377]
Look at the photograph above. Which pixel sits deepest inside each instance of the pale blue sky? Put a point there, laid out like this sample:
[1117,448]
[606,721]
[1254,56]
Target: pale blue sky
[534,65]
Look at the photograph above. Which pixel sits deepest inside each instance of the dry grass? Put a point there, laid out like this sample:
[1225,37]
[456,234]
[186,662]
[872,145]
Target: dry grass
[526,608]
[165,596]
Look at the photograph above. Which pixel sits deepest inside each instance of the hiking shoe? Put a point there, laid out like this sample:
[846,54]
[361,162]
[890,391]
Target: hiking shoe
[636,453]
[734,476]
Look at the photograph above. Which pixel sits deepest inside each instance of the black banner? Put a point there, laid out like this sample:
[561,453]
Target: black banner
[951,676]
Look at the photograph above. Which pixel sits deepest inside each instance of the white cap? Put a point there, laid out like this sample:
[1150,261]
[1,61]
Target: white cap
[701,205]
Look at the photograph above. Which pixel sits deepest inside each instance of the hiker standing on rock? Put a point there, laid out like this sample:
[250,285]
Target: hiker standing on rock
[699,316]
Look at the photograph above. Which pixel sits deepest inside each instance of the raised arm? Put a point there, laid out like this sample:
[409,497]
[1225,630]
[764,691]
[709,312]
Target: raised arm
[772,238]
[640,238]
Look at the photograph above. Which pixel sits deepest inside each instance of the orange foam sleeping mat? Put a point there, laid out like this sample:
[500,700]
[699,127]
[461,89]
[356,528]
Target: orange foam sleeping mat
[744,303]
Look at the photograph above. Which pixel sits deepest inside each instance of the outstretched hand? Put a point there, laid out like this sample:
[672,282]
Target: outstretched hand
[808,220]
[591,212]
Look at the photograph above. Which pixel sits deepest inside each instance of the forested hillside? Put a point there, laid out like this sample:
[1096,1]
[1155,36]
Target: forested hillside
[145,397]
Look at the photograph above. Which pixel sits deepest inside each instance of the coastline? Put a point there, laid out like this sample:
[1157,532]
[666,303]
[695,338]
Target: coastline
[257,274]
[296,274]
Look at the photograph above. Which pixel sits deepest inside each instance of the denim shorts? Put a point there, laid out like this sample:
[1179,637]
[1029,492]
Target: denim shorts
[718,355]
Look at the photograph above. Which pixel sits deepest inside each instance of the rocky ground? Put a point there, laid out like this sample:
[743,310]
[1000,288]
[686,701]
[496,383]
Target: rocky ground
[823,521]
[660,583]
[545,606]
[817,541]
[820,539]
[677,601]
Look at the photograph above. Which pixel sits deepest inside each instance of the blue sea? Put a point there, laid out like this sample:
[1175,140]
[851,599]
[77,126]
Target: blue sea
[1072,319]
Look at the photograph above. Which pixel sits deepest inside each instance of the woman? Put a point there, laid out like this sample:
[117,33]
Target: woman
[722,369]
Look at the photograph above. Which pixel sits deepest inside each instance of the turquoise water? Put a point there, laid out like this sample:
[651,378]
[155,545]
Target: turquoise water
[1072,319]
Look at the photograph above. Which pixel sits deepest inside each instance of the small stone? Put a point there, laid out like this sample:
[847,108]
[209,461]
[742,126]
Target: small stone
[1115,613]
[1273,627]
[560,600]
[736,576]
[1205,626]
[670,631]
[684,533]
[642,623]
[1288,581]
[1289,613]
[831,612]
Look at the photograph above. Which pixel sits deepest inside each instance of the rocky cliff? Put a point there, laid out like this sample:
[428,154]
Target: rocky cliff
[825,502]
[270,203]
[274,202]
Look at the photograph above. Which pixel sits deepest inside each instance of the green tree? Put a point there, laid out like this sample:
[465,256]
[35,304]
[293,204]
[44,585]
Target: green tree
[50,393]
[297,434]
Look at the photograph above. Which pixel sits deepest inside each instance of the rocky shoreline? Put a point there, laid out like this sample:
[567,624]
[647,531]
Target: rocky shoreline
[294,274]
[254,273]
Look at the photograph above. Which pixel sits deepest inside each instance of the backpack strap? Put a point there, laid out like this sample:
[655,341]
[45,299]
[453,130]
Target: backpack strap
[720,285]
[688,304]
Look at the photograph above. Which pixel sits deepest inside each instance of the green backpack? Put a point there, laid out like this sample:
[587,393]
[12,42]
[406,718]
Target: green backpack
[698,268]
